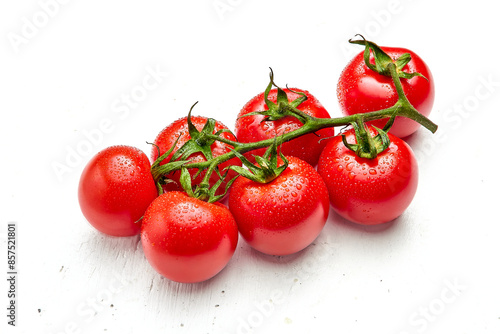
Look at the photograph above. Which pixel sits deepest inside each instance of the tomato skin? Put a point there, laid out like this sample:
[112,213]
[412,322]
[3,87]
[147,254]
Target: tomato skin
[167,137]
[362,90]
[115,189]
[284,216]
[188,240]
[251,128]
[369,191]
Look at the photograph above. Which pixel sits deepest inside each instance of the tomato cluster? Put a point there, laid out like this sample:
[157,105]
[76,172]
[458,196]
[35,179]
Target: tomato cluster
[194,199]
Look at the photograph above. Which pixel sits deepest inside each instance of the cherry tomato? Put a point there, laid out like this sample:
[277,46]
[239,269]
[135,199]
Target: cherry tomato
[251,128]
[115,189]
[179,129]
[362,90]
[369,191]
[285,215]
[188,240]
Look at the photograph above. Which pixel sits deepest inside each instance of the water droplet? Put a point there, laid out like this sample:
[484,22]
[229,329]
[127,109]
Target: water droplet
[340,168]
[352,175]
[372,171]
[350,166]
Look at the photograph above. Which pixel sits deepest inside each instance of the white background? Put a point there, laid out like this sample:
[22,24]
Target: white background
[66,69]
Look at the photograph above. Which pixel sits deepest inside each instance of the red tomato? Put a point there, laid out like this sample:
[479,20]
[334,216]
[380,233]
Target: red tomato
[167,137]
[251,128]
[188,240]
[115,189]
[369,191]
[285,215]
[362,90]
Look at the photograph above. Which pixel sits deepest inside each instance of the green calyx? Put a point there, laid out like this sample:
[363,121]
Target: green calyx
[366,146]
[203,191]
[283,107]
[268,163]
[159,171]
[199,142]
[382,60]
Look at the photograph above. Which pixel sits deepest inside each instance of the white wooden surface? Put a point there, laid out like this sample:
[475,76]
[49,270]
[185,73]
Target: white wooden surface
[434,270]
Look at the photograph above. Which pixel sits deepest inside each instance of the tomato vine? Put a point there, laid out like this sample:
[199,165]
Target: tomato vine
[367,146]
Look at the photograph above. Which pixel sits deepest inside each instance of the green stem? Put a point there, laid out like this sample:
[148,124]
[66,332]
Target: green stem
[299,114]
[310,124]
[224,140]
[407,110]
[313,124]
